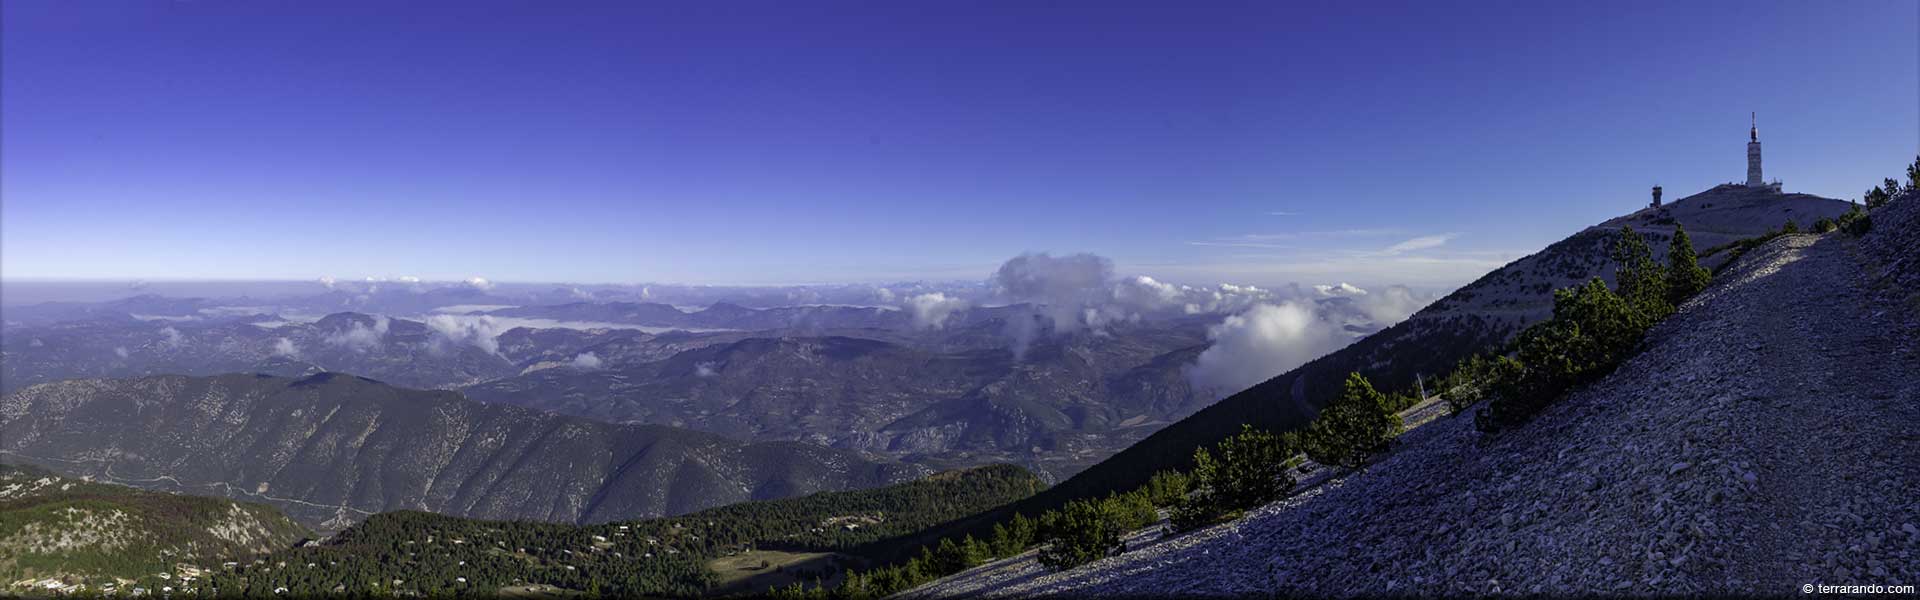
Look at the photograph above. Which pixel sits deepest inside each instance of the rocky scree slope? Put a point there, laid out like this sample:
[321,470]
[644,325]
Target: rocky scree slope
[329,449]
[1763,441]
[1479,317]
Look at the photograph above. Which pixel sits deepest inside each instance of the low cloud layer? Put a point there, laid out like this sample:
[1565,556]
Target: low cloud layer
[1268,339]
[1080,292]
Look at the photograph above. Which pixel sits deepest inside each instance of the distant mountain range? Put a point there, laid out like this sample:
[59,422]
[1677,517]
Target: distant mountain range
[329,449]
[858,378]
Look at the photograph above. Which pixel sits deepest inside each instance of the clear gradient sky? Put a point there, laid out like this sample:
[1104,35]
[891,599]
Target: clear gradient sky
[784,142]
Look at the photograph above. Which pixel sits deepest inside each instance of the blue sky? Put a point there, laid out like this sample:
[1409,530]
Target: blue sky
[787,142]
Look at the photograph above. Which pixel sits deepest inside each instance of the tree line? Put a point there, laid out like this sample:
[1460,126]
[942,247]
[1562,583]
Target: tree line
[1237,474]
[411,552]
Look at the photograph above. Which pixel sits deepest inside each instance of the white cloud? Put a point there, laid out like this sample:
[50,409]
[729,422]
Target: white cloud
[168,318]
[1264,341]
[360,337]
[1342,289]
[284,347]
[1041,277]
[1424,242]
[172,337]
[120,351]
[586,361]
[1146,292]
[1393,304]
[479,283]
[931,310]
[705,369]
[327,281]
[479,331]
[1058,288]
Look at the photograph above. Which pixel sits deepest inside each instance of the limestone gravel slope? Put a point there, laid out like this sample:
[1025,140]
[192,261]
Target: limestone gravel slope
[1764,440]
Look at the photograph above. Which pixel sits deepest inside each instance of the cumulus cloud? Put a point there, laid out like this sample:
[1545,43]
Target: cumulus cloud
[1046,279]
[705,369]
[1223,298]
[586,361]
[327,281]
[171,337]
[1264,341]
[360,337]
[120,351]
[1393,304]
[931,310]
[1079,291]
[284,347]
[1144,291]
[479,331]
[1341,289]
[1270,338]
[479,283]
[1059,289]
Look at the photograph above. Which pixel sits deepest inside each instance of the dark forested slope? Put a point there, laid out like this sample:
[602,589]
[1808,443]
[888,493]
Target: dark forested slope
[330,448]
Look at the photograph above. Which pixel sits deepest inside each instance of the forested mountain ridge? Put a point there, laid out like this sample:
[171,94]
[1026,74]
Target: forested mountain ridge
[59,534]
[413,552]
[331,448]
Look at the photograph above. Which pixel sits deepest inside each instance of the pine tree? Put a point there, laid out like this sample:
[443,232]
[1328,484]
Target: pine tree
[1022,532]
[1640,280]
[1002,542]
[1354,427]
[973,553]
[948,559]
[1685,276]
[1077,534]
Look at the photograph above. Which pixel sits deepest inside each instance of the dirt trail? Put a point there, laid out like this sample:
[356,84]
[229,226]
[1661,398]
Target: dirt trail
[1834,430]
